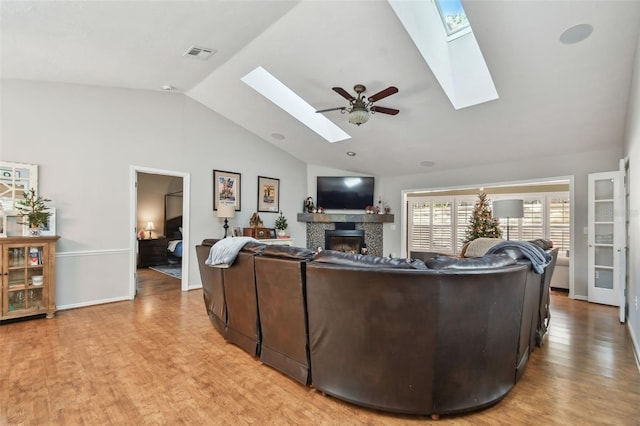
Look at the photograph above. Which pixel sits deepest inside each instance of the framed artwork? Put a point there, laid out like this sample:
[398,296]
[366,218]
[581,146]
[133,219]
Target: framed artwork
[226,189]
[272,233]
[237,231]
[268,194]
[50,228]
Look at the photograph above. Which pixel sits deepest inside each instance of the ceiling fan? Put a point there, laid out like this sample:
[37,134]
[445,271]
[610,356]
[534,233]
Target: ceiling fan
[359,108]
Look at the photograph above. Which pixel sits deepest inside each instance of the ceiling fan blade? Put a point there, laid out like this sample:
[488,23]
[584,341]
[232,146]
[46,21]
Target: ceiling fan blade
[331,109]
[383,110]
[383,94]
[340,91]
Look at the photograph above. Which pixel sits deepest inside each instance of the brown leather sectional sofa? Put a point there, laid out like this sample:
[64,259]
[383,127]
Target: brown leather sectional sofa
[382,333]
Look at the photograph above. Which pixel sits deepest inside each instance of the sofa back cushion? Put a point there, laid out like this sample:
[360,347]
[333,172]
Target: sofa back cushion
[484,262]
[288,252]
[359,260]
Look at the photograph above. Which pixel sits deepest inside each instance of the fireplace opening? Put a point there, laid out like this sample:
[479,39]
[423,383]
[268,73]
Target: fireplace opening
[348,241]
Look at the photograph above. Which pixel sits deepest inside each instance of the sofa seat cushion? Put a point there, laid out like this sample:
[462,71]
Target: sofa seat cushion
[484,262]
[288,252]
[363,261]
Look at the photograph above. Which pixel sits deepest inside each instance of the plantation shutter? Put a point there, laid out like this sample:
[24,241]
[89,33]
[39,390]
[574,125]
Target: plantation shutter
[464,211]
[419,227]
[533,220]
[442,227]
[559,223]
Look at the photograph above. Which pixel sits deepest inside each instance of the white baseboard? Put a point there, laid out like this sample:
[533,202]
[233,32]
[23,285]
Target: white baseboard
[91,303]
[636,346]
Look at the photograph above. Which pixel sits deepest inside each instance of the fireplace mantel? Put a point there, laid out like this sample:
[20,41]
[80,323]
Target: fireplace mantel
[344,217]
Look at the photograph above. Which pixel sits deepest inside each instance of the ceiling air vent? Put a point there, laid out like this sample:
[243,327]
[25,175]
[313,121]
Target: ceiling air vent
[202,53]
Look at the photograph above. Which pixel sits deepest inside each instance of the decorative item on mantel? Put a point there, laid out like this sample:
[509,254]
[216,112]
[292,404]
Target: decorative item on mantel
[368,209]
[308,205]
[35,213]
[281,225]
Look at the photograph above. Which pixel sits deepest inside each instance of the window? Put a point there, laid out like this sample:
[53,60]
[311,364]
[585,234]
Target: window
[439,224]
[430,226]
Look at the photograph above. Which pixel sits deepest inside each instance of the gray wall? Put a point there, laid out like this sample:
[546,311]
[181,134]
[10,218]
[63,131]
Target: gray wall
[632,152]
[578,165]
[85,141]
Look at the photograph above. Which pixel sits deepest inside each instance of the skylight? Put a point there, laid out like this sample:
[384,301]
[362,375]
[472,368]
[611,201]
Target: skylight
[453,18]
[455,61]
[273,89]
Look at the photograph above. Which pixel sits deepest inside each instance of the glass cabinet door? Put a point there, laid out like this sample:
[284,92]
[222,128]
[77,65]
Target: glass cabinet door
[24,272]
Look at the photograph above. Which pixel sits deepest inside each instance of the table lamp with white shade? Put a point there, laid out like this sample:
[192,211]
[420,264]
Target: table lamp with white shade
[150,228]
[226,211]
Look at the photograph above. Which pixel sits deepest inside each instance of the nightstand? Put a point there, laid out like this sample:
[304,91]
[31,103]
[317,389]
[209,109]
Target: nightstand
[152,252]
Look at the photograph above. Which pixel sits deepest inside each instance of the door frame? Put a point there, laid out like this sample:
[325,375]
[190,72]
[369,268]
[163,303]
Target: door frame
[133,209]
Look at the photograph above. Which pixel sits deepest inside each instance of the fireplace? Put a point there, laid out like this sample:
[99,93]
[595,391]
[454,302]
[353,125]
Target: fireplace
[349,241]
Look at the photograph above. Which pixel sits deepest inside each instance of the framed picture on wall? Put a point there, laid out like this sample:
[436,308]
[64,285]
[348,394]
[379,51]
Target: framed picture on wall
[268,194]
[50,228]
[226,189]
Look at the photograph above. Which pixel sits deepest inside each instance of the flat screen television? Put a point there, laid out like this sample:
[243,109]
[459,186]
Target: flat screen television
[344,192]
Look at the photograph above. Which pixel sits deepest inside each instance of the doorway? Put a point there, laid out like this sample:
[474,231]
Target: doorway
[159,218]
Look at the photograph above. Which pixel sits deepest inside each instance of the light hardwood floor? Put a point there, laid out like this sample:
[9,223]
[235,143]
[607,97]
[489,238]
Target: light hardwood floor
[158,360]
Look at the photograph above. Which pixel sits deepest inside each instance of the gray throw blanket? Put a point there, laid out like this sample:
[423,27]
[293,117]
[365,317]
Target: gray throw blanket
[224,252]
[538,257]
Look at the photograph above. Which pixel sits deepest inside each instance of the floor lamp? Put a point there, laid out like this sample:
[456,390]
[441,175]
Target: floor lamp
[226,211]
[508,209]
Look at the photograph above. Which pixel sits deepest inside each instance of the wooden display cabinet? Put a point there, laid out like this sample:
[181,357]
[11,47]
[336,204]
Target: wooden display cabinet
[28,267]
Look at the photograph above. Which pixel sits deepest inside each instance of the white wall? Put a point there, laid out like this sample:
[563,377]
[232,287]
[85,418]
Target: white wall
[632,152]
[578,165]
[85,140]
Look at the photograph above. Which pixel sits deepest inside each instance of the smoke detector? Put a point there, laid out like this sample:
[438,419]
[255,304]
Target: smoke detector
[202,53]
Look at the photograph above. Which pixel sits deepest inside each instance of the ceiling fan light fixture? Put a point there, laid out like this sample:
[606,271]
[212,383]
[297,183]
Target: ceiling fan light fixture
[358,115]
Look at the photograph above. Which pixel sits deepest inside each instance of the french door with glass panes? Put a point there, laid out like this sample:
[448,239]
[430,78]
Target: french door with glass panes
[606,238]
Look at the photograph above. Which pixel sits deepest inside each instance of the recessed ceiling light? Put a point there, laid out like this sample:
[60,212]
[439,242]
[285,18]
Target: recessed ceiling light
[278,136]
[273,89]
[351,154]
[168,87]
[576,34]
[427,163]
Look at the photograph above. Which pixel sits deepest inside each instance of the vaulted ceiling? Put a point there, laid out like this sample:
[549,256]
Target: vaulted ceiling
[554,98]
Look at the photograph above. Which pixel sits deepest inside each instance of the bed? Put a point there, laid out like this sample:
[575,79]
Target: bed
[173,230]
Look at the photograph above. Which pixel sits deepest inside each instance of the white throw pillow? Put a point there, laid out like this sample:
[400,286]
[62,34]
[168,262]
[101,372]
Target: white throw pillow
[479,246]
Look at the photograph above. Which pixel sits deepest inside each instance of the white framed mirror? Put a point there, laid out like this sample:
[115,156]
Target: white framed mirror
[15,179]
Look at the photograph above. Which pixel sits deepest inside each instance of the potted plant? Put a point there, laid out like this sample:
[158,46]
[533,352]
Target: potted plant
[35,213]
[281,225]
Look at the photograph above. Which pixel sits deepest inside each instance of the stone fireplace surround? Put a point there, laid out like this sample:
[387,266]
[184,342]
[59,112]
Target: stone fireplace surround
[371,224]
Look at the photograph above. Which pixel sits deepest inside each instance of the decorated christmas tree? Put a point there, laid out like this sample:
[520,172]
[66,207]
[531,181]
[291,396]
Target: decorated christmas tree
[482,223]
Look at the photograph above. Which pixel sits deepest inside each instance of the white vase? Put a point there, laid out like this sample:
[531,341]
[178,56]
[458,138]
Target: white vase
[281,233]
[33,232]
